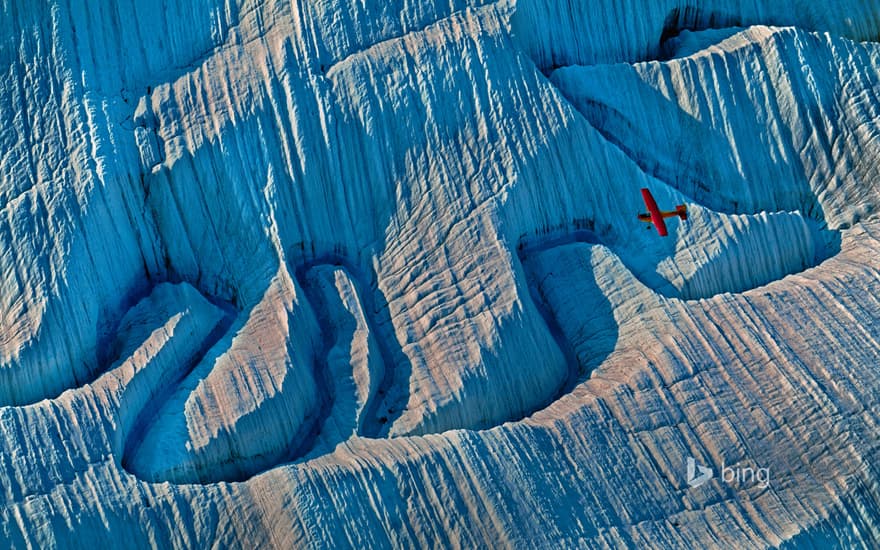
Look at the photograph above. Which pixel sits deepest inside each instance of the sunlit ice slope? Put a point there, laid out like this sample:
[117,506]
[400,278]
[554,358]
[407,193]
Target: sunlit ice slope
[370,274]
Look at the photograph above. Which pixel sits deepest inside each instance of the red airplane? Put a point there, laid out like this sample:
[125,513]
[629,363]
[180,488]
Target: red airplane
[655,215]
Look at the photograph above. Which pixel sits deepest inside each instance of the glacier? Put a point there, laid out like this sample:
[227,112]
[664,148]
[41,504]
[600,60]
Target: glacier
[350,274]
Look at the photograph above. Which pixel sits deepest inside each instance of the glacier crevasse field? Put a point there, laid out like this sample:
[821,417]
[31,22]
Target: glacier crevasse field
[368,274]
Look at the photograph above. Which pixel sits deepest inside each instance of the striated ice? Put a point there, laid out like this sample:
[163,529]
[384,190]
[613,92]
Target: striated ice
[365,274]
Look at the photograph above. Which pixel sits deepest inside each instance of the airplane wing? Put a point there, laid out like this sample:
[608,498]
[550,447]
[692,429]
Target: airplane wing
[656,216]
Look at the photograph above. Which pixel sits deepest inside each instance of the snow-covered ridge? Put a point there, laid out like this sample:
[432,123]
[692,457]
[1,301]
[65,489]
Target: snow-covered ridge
[279,242]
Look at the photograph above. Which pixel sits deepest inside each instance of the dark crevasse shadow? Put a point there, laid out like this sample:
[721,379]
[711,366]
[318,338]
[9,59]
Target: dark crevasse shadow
[387,405]
[356,330]
[691,41]
[692,18]
[174,327]
[562,281]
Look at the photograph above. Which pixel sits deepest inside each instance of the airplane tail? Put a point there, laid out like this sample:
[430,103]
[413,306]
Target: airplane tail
[682,211]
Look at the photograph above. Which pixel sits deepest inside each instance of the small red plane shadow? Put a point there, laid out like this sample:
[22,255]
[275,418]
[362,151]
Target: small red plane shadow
[656,216]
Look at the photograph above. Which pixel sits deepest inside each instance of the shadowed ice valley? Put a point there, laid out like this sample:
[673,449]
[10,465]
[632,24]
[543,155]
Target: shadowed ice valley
[460,274]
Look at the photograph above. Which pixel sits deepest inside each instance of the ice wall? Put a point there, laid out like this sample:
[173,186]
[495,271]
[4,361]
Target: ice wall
[581,32]
[337,274]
